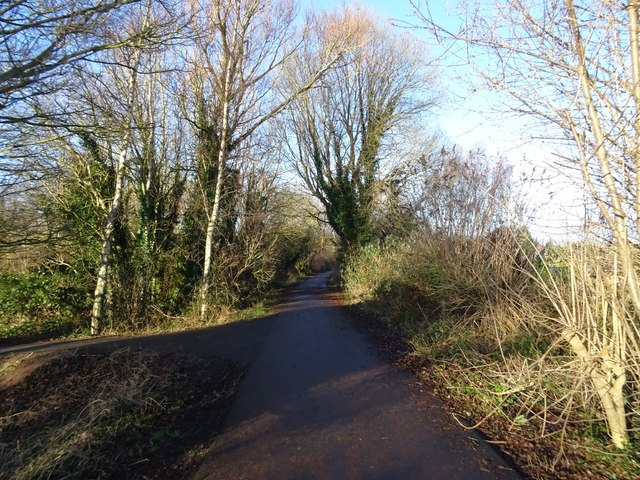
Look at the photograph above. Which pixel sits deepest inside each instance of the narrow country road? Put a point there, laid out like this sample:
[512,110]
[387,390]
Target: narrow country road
[319,402]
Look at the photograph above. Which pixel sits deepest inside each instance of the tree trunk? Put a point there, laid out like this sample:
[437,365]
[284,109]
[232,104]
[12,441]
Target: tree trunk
[213,215]
[608,376]
[211,228]
[102,283]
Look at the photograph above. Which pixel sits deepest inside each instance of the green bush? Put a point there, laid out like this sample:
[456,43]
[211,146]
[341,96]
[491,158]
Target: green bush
[41,304]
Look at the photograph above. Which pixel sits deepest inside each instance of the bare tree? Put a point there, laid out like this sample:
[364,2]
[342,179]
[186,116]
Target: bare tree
[39,38]
[464,195]
[42,44]
[107,129]
[240,48]
[156,177]
[123,147]
[38,41]
[576,69]
[85,96]
[337,131]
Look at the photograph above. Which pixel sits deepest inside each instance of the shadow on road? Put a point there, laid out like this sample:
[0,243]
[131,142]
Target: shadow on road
[319,401]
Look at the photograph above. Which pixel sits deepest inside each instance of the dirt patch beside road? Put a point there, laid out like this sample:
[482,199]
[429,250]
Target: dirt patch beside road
[123,413]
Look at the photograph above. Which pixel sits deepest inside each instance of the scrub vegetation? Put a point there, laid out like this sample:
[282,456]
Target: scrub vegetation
[113,414]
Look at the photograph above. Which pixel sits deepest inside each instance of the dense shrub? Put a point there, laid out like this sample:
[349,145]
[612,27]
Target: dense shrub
[428,278]
[42,303]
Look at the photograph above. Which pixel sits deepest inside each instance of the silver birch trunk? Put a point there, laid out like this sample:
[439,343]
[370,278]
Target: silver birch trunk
[213,215]
[102,283]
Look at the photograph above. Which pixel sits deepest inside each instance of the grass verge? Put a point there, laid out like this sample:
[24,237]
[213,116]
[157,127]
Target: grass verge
[121,414]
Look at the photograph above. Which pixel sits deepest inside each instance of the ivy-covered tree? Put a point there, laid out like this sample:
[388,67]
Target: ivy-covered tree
[240,49]
[336,132]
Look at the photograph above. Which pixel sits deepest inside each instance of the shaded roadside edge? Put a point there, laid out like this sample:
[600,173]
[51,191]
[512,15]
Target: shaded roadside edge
[183,420]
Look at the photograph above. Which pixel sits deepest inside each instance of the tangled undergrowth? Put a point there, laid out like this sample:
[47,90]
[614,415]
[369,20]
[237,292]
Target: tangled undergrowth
[524,343]
[120,414]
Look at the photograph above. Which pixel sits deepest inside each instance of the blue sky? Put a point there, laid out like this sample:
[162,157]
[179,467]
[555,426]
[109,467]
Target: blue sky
[458,115]
[462,119]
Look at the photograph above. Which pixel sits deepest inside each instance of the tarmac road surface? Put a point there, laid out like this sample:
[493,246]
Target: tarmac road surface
[319,402]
